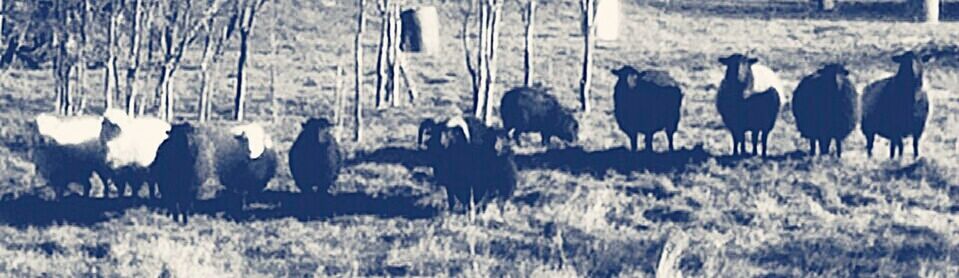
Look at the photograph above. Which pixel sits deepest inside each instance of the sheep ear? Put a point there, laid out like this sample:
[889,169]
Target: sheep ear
[752,60]
[926,58]
[616,71]
[724,60]
[897,58]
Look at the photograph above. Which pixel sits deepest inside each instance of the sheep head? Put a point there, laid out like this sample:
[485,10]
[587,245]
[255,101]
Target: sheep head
[738,68]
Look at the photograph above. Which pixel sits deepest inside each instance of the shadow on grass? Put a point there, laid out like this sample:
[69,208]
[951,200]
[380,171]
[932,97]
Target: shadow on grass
[845,10]
[34,211]
[907,245]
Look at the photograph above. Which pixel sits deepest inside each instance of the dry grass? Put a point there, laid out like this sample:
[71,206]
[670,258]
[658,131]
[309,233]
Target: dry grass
[784,216]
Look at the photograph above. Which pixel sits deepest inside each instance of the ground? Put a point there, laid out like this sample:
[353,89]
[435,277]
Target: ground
[784,216]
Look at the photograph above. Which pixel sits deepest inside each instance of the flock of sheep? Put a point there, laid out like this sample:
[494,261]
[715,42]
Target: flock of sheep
[177,160]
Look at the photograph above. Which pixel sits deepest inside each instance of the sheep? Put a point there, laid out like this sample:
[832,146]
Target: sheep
[826,107]
[646,102]
[131,147]
[466,128]
[250,173]
[531,109]
[69,151]
[749,99]
[897,107]
[193,157]
[315,158]
[469,169]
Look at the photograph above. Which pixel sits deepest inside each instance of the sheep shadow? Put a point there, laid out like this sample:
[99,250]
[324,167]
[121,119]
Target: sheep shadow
[27,211]
[844,11]
[409,158]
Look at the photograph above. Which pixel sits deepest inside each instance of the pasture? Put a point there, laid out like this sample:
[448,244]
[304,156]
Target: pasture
[591,209]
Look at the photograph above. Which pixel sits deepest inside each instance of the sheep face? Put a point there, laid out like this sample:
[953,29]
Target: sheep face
[738,67]
[910,64]
[568,128]
[836,74]
[319,126]
[254,137]
[628,74]
[427,129]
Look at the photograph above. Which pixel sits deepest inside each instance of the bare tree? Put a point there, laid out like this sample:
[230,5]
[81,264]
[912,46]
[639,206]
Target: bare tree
[247,13]
[274,52]
[358,72]
[339,101]
[64,57]
[383,6]
[133,65]
[394,54]
[216,32]
[530,17]
[110,77]
[178,29]
[588,26]
[483,73]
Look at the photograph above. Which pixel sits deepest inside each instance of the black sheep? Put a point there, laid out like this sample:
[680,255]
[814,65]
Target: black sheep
[645,103]
[193,157]
[315,158]
[897,107]
[181,169]
[471,170]
[528,109]
[749,99]
[826,107]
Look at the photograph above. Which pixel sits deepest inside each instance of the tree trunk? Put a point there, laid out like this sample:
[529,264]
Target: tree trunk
[493,44]
[481,60]
[339,101]
[528,45]
[358,71]
[930,11]
[589,30]
[395,54]
[381,52]
[135,35]
[826,5]
[240,97]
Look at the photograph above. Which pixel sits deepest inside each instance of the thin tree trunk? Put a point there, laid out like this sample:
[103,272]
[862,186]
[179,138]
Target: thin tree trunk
[589,30]
[491,64]
[358,77]
[395,51]
[135,35]
[240,98]
[383,7]
[481,60]
[410,87]
[339,101]
[275,53]
[528,44]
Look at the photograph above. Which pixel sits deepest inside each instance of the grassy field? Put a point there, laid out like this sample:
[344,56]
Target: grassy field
[785,216]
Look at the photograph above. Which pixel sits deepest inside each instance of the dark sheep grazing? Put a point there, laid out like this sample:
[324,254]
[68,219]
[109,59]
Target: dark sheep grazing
[528,109]
[194,157]
[826,107]
[749,99]
[315,158]
[471,170]
[645,103]
[69,151]
[897,107]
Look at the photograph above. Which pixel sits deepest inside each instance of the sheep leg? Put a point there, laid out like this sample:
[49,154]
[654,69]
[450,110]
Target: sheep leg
[812,146]
[838,147]
[824,146]
[545,139]
[765,139]
[870,138]
[915,146]
[755,135]
[634,142]
[648,139]
[901,147]
[669,137]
